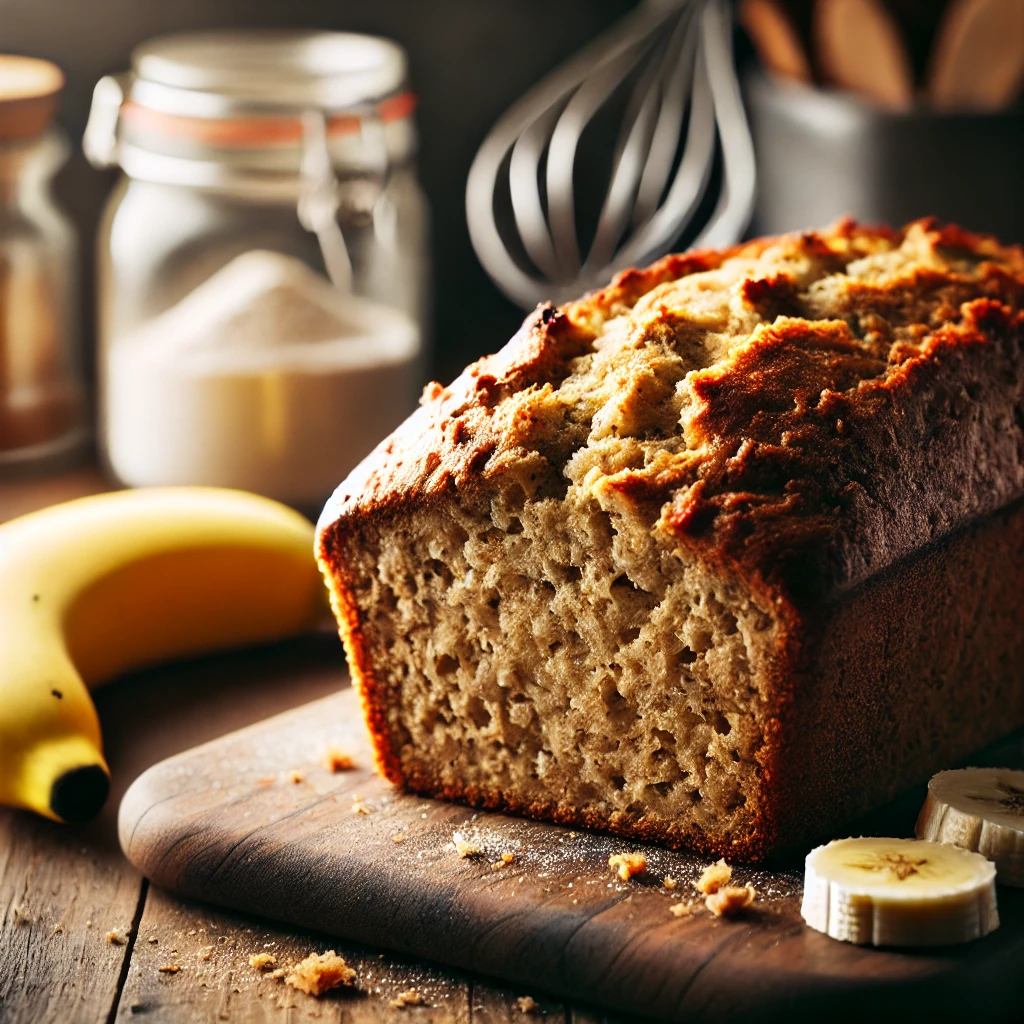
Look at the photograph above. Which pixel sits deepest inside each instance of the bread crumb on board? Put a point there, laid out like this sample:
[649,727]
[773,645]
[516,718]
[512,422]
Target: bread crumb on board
[169,969]
[410,997]
[262,961]
[681,909]
[465,847]
[626,865]
[669,882]
[730,900]
[118,937]
[336,760]
[320,972]
[527,1004]
[713,877]
[278,974]
[297,777]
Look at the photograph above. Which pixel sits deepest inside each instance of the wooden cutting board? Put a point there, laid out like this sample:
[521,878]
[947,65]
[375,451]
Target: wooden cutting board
[255,821]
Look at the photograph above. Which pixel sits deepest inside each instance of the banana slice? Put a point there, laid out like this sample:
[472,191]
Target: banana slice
[979,809]
[899,892]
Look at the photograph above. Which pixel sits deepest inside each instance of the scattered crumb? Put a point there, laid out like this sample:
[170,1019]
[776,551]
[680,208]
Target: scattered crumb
[732,899]
[191,931]
[88,924]
[205,953]
[262,961]
[507,857]
[169,969]
[336,760]
[400,838]
[410,997]
[465,847]
[527,1004]
[681,909]
[278,974]
[153,938]
[626,865]
[669,882]
[320,972]
[297,777]
[359,808]
[57,929]
[118,938]
[713,877]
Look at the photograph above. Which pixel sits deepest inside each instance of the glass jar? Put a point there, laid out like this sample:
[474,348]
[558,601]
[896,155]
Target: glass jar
[43,417]
[262,261]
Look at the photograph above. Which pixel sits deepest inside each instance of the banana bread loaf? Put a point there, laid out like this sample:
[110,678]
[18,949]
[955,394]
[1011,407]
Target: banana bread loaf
[718,556]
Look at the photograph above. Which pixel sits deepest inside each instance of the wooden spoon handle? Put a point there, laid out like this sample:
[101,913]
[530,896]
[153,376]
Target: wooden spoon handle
[860,49]
[978,61]
[775,39]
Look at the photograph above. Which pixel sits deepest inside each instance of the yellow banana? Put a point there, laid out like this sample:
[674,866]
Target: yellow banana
[103,585]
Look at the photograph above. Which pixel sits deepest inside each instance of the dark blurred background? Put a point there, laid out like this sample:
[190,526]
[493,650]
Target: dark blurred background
[469,59]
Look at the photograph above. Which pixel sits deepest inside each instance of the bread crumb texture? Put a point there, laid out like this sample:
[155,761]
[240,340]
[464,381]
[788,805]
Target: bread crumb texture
[579,581]
[410,997]
[320,972]
[169,969]
[730,900]
[626,865]
[336,760]
[118,937]
[713,877]
[669,882]
[262,961]
[681,909]
[527,1004]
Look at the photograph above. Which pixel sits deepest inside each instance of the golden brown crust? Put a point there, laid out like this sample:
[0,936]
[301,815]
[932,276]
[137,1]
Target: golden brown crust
[819,452]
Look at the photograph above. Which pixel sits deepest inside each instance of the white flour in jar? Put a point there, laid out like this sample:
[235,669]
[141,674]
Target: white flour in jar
[265,378]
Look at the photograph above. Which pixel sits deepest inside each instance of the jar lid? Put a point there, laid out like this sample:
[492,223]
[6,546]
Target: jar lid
[225,73]
[212,109]
[29,90]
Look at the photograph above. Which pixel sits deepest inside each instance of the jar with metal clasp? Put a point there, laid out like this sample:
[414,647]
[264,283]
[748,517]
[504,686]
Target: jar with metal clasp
[262,261]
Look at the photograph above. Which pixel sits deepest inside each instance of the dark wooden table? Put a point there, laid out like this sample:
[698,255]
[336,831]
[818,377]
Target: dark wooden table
[64,890]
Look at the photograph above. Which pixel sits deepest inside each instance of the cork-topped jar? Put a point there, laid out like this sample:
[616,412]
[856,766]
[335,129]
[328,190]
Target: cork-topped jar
[42,393]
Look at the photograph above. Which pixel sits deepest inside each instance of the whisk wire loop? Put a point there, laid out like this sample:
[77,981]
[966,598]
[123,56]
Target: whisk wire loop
[677,53]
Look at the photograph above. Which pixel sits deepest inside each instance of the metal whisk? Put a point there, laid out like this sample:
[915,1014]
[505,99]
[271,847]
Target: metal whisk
[680,53]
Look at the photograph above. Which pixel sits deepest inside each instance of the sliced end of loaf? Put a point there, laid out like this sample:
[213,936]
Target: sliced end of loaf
[528,650]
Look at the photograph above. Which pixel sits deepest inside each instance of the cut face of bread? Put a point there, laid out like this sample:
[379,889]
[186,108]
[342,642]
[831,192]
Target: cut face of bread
[627,573]
[544,651]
